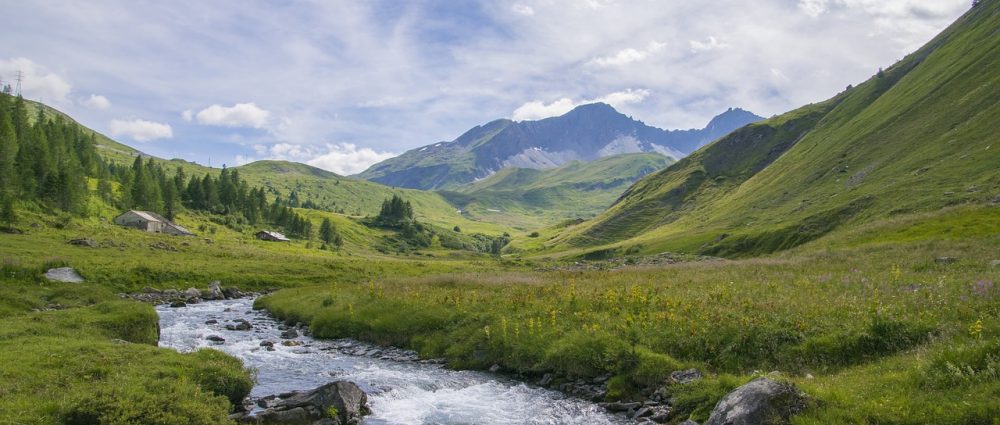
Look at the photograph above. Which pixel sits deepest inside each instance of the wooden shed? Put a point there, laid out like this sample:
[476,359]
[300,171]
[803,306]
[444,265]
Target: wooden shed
[150,222]
[272,236]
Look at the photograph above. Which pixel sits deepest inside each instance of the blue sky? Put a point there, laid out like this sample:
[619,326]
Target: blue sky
[342,85]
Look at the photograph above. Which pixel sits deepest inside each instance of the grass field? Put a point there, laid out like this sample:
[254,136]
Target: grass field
[875,333]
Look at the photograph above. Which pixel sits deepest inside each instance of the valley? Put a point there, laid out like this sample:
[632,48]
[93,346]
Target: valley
[836,263]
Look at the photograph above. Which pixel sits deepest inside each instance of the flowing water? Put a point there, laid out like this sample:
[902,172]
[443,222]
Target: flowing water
[399,391]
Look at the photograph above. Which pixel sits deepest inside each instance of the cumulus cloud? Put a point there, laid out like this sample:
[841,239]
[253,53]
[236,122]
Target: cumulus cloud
[522,9]
[140,130]
[36,81]
[96,101]
[711,43]
[812,8]
[340,158]
[629,55]
[536,110]
[238,115]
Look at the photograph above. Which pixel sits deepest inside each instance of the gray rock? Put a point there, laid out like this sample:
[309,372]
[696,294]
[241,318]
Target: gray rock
[685,376]
[761,401]
[63,274]
[177,304]
[90,243]
[241,325]
[216,339]
[622,407]
[689,422]
[266,344]
[214,292]
[546,380]
[296,415]
[289,334]
[495,368]
[945,260]
[192,293]
[995,263]
[351,404]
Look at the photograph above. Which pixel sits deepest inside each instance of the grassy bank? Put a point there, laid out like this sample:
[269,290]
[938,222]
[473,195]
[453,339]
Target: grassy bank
[876,334]
[75,354]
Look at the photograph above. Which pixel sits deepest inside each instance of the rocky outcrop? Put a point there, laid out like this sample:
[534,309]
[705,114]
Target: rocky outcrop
[336,403]
[761,401]
[214,291]
[63,274]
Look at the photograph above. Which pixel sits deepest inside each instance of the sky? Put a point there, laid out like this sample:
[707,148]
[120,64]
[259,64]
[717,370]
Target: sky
[344,84]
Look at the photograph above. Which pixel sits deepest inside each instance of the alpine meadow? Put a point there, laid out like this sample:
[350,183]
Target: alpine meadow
[837,262]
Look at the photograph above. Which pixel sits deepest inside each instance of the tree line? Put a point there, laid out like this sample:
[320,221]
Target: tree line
[50,160]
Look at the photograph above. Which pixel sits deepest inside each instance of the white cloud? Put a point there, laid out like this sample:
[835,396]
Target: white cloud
[711,43]
[629,55]
[187,115]
[238,115]
[522,9]
[36,81]
[243,160]
[96,101]
[813,8]
[140,130]
[340,158]
[536,110]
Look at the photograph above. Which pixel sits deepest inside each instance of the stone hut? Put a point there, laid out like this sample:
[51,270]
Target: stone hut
[272,236]
[150,222]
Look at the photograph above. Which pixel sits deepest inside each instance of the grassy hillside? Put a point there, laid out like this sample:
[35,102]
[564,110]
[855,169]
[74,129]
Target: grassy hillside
[918,136]
[529,198]
[349,196]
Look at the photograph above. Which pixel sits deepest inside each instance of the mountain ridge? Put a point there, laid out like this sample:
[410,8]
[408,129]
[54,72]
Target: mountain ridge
[585,133]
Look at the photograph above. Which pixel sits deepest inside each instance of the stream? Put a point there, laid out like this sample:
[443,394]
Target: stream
[400,389]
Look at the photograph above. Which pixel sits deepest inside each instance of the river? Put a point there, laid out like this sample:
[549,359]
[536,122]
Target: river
[399,391]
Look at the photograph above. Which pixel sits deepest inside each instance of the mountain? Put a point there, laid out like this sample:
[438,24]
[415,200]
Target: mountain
[586,133]
[912,140]
[529,198]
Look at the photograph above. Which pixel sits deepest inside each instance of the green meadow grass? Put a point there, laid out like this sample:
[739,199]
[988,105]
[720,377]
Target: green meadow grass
[76,354]
[873,333]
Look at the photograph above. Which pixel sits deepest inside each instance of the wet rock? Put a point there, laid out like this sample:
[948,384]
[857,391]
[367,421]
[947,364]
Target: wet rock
[291,343]
[211,322]
[266,344]
[495,368]
[685,376]
[89,243]
[241,325]
[289,334]
[63,274]
[756,402]
[214,292]
[546,379]
[231,293]
[177,304]
[192,293]
[305,407]
[689,422]
[216,339]
[622,407]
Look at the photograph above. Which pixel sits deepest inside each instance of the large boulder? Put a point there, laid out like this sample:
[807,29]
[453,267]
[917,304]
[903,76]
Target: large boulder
[314,406]
[761,401]
[63,274]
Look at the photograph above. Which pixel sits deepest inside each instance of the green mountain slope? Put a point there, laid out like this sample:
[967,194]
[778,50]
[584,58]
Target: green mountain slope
[529,198]
[918,136]
[327,190]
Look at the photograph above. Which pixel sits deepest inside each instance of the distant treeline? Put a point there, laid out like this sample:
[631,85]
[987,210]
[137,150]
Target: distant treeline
[50,161]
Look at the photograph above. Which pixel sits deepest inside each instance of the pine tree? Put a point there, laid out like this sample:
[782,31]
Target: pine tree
[8,149]
[327,233]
